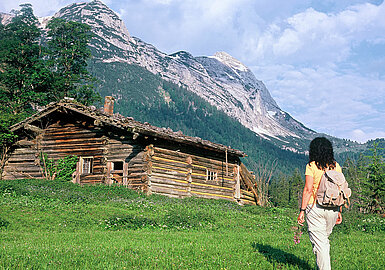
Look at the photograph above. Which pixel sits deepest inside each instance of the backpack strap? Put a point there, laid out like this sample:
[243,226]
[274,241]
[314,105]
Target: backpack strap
[315,192]
[347,200]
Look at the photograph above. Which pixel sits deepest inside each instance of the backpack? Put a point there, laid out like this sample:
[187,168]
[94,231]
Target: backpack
[333,190]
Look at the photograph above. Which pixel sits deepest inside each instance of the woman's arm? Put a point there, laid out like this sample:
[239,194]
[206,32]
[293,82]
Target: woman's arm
[307,193]
[339,218]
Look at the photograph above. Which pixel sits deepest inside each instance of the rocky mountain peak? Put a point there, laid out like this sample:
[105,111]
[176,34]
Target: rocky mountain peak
[5,18]
[221,79]
[230,61]
[104,21]
[182,55]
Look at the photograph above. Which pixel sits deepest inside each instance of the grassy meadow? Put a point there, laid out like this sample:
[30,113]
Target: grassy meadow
[55,225]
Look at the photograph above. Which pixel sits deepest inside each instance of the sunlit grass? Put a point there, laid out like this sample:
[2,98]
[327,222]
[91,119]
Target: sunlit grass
[50,225]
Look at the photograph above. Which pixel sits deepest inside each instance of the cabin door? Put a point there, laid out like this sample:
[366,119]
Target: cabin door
[116,172]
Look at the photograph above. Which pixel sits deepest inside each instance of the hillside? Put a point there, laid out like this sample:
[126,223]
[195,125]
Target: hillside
[148,98]
[55,225]
[213,97]
[221,80]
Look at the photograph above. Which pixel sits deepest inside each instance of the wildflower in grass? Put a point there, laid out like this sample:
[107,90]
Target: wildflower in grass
[297,235]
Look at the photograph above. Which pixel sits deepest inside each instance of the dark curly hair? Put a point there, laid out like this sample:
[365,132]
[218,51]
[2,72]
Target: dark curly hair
[321,151]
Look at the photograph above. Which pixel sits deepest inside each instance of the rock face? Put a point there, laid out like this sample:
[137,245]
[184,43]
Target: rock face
[5,18]
[220,79]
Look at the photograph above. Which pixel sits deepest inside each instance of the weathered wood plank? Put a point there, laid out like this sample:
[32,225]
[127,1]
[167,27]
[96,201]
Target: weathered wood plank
[168,190]
[219,182]
[170,151]
[21,159]
[213,190]
[208,195]
[168,176]
[27,167]
[169,182]
[245,192]
[171,166]
[197,161]
[23,151]
[77,140]
[170,160]
[175,172]
[73,135]
[247,202]
[70,143]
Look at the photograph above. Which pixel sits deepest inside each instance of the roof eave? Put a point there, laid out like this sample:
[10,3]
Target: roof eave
[96,115]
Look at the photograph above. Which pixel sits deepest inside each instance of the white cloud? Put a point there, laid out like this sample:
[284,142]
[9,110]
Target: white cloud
[162,2]
[362,136]
[311,35]
[305,61]
[327,100]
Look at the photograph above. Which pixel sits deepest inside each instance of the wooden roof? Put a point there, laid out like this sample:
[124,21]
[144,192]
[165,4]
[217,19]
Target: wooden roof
[127,124]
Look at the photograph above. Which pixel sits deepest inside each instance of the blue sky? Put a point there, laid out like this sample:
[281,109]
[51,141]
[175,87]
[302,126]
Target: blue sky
[322,61]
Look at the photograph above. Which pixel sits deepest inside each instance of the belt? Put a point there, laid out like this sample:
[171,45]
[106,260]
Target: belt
[336,208]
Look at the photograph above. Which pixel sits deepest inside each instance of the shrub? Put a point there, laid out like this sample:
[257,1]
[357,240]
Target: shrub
[3,223]
[175,219]
[353,221]
[179,219]
[60,169]
[128,222]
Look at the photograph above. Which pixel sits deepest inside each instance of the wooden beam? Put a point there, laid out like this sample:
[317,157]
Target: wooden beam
[33,128]
[246,177]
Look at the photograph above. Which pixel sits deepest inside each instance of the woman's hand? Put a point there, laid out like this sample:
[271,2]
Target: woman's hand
[307,193]
[301,218]
[339,218]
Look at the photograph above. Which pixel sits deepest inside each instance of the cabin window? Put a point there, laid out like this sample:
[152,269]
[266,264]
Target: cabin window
[211,175]
[117,166]
[87,164]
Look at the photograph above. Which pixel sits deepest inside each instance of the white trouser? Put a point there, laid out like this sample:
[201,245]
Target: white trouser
[320,222]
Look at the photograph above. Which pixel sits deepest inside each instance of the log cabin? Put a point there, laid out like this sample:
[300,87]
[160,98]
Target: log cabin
[116,150]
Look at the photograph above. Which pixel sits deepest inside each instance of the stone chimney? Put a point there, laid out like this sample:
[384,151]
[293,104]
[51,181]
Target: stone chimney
[109,105]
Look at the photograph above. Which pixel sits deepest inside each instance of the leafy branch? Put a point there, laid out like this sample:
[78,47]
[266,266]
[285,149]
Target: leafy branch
[60,170]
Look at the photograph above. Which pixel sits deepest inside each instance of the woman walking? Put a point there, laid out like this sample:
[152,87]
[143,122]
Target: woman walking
[320,220]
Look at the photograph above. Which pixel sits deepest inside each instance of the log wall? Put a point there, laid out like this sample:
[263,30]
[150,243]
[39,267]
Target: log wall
[63,139]
[119,158]
[249,194]
[82,139]
[130,156]
[177,174]
[23,162]
[57,141]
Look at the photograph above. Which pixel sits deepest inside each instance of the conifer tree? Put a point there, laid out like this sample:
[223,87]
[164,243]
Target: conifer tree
[32,75]
[374,182]
[68,54]
[295,189]
[23,75]
[354,173]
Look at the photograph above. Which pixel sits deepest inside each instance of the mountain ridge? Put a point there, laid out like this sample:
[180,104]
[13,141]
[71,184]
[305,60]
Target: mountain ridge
[220,79]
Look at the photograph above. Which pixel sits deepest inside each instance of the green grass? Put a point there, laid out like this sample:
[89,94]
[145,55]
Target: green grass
[54,225]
